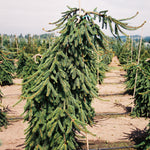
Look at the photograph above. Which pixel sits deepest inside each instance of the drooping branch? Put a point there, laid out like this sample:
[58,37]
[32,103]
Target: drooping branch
[119,25]
[103,18]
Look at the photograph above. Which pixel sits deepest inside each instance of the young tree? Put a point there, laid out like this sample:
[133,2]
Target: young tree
[22,60]
[29,69]
[6,67]
[59,101]
[142,93]
[3,119]
[145,143]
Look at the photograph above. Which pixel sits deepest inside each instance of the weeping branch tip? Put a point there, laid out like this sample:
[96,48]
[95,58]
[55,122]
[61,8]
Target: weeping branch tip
[44,30]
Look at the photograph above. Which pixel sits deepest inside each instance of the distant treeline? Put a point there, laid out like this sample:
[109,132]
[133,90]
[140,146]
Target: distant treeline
[30,44]
[43,36]
[40,43]
[136,38]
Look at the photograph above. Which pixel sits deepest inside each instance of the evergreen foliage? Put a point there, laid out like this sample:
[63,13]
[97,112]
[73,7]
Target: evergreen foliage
[101,72]
[125,52]
[6,67]
[1,95]
[142,94]
[29,69]
[59,101]
[145,53]
[130,77]
[22,60]
[26,65]
[3,119]
[29,44]
[145,144]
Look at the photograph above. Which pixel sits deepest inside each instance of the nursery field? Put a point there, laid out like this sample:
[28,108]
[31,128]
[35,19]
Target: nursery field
[74,88]
[114,127]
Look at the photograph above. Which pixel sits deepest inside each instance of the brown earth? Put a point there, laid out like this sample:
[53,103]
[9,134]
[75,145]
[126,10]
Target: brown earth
[13,137]
[115,100]
[107,128]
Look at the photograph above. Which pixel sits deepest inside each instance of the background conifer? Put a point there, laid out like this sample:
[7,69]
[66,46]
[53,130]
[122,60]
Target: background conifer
[22,60]
[145,143]
[3,119]
[142,94]
[7,67]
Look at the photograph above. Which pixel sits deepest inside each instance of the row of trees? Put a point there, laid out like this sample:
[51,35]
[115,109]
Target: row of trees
[9,69]
[3,118]
[29,44]
[128,50]
[137,64]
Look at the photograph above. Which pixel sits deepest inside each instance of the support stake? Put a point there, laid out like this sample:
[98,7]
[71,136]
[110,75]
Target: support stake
[137,64]
[131,48]
[87,142]
[16,43]
[1,40]
[80,7]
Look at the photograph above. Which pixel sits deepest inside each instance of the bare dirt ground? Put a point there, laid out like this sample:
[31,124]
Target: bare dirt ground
[113,100]
[114,129]
[13,137]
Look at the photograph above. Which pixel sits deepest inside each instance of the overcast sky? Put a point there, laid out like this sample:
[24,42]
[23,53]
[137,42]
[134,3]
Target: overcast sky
[30,16]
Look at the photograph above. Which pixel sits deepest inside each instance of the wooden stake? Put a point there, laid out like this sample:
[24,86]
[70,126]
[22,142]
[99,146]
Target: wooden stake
[1,40]
[80,7]
[128,46]
[137,64]
[49,41]
[131,48]
[87,142]
[16,43]
[98,69]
